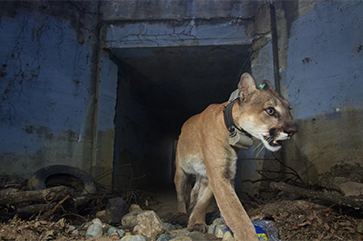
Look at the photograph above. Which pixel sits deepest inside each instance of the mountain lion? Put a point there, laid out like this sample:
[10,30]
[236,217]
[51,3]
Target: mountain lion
[205,151]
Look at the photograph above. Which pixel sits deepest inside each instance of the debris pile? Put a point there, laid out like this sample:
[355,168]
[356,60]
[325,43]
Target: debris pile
[329,209]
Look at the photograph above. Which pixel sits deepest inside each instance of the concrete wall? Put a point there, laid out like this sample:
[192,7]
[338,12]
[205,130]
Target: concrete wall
[46,87]
[104,116]
[321,67]
[58,86]
[176,9]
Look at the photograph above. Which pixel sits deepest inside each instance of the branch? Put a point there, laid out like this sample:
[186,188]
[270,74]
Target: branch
[353,202]
[13,196]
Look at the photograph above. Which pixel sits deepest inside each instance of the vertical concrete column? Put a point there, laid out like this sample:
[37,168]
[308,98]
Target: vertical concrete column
[104,127]
[264,66]
[262,60]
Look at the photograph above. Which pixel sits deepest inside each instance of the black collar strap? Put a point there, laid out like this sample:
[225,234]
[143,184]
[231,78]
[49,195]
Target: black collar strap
[228,120]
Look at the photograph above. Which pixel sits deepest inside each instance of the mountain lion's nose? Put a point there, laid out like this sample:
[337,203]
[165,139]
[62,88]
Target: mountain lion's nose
[291,129]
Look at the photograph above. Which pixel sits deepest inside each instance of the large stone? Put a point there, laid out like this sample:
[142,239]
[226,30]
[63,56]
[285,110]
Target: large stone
[179,232]
[130,219]
[95,230]
[198,236]
[165,237]
[135,207]
[351,188]
[133,238]
[219,230]
[227,236]
[184,238]
[215,226]
[150,225]
[116,208]
[102,216]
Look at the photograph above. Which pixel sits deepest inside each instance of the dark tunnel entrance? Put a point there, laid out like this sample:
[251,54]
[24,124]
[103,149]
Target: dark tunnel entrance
[158,89]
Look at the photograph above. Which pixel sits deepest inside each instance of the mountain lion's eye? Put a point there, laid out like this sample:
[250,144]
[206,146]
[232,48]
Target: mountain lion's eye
[270,111]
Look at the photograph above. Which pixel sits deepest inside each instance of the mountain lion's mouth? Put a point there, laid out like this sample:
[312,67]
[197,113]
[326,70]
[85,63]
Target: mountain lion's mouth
[272,141]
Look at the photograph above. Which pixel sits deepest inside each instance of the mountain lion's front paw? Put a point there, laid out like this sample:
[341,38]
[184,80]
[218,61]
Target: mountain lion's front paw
[200,227]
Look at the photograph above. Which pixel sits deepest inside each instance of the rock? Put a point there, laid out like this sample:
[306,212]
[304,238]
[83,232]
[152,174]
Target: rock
[116,208]
[165,237]
[102,216]
[351,188]
[150,225]
[218,221]
[212,229]
[219,230]
[198,236]
[111,231]
[100,239]
[121,232]
[133,238]
[227,236]
[95,230]
[71,227]
[136,229]
[169,226]
[73,230]
[360,226]
[130,219]
[179,232]
[114,236]
[183,238]
[97,220]
[86,225]
[177,226]
[135,207]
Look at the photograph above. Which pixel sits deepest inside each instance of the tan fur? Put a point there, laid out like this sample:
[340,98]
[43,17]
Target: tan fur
[203,151]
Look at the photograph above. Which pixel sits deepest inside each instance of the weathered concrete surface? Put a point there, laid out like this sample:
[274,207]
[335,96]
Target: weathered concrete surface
[176,9]
[104,126]
[323,142]
[179,33]
[262,58]
[322,78]
[46,113]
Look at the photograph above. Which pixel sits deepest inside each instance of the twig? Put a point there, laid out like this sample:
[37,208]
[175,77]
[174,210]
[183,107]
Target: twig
[290,168]
[49,213]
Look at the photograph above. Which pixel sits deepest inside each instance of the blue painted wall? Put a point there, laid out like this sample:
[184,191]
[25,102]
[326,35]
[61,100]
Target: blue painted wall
[46,92]
[325,59]
[103,140]
[324,79]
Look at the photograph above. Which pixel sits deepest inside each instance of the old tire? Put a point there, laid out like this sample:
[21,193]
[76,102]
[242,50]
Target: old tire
[39,179]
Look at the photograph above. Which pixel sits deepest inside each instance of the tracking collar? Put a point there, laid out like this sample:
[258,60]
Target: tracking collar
[238,137]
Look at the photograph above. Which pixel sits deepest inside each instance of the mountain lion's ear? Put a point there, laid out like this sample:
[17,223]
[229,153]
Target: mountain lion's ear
[246,86]
[266,85]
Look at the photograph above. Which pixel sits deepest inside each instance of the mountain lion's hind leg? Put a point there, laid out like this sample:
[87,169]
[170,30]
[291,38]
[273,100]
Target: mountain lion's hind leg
[197,217]
[180,181]
[195,193]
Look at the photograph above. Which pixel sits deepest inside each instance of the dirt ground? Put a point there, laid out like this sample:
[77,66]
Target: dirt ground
[295,217]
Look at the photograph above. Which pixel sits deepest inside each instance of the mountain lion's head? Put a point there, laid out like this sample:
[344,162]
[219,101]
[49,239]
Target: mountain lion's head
[264,113]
